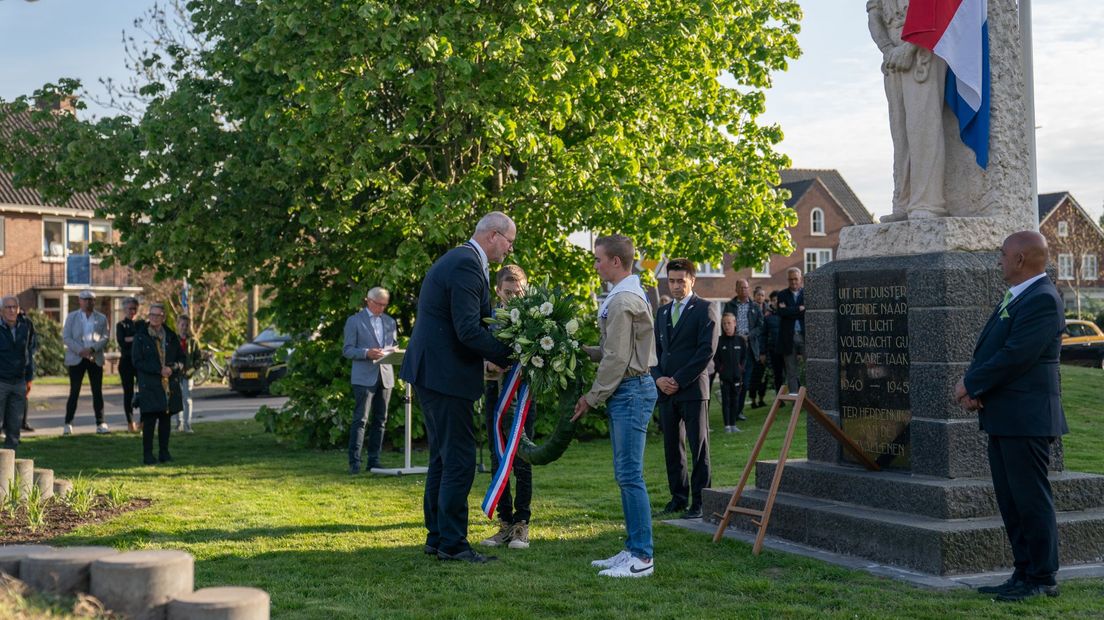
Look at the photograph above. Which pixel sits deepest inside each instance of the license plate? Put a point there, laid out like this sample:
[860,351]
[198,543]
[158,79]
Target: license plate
[251,375]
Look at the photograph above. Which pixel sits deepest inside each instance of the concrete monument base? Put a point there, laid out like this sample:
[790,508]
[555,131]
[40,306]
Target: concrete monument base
[924,236]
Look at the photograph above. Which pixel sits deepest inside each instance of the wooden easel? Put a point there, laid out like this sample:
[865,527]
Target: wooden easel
[799,402]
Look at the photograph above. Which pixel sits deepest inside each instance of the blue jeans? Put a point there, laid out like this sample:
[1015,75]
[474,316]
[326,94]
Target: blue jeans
[630,410]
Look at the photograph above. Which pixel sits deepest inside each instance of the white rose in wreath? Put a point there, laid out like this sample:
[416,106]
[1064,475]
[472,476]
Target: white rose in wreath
[547,343]
[517,348]
[515,315]
[537,361]
[571,327]
[546,308]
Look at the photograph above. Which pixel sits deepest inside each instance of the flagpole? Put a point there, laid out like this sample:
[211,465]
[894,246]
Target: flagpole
[1029,101]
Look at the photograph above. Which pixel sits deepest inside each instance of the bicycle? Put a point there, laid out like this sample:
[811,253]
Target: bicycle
[210,369]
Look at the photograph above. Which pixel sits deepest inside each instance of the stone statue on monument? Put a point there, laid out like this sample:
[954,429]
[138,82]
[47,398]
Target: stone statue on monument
[914,82]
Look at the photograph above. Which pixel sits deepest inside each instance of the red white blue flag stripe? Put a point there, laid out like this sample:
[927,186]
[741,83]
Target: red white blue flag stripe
[958,32]
[505,450]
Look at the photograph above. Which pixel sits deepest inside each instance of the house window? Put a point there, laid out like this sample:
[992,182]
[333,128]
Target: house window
[709,270]
[101,233]
[817,219]
[1063,228]
[762,271]
[50,305]
[1065,266]
[53,240]
[78,237]
[817,257]
[1088,267]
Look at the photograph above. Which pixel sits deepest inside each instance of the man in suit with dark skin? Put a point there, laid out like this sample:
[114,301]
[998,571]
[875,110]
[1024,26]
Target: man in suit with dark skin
[444,363]
[686,332]
[1013,384]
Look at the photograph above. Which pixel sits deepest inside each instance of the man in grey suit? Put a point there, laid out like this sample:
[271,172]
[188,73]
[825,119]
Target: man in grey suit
[85,335]
[369,335]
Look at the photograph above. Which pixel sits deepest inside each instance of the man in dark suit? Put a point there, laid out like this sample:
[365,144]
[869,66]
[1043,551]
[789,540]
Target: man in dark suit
[1013,384]
[444,363]
[791,307]
[749,326]
[686,339]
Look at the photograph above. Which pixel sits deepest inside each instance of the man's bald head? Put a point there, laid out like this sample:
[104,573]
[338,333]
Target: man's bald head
[1023,255]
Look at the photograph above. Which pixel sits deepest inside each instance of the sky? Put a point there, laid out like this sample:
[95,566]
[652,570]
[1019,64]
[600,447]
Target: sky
[830,103]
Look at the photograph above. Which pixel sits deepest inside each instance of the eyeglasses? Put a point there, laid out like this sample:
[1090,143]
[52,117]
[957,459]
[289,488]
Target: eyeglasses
[508,240]
[7,307]
[155,316]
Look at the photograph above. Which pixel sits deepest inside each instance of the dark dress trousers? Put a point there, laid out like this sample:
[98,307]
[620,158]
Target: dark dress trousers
[155,404]
[126,329]
[1015,375]
[683,352]
[444,363]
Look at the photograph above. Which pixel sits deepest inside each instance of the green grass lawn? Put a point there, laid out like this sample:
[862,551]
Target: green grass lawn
[327,545]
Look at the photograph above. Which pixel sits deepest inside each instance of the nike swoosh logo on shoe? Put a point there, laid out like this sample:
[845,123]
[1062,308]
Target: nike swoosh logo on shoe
[632,569]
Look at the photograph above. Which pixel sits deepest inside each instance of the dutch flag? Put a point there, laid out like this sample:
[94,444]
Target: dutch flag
[958,32]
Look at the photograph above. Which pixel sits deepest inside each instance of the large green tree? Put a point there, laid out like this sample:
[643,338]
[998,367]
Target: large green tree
[321,147]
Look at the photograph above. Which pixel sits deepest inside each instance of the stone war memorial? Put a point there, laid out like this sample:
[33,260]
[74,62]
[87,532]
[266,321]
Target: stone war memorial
[891,326]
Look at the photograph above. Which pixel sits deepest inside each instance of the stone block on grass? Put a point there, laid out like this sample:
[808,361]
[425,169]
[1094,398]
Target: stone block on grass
[12,555]
[62,571]
[24,475]
[227,603]
[140,584]
[44,480]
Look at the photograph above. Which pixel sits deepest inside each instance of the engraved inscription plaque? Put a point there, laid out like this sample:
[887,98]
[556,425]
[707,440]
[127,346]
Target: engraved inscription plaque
[872,327]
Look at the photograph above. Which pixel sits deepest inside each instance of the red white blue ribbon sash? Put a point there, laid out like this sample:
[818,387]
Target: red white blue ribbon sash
[506,449]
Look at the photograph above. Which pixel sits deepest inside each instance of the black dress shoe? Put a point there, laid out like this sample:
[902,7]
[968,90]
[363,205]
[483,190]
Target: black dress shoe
[429,550]
[353,470]
[1024,590]
[149,460]
[693,513]
[468,555]
[27,427]
[374,465]
[165,458]
[674,506]
[1007,585]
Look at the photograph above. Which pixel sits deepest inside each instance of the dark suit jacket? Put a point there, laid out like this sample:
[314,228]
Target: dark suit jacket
[684,351]
[755,325]
[790,316]
[450,340]
[1015,367]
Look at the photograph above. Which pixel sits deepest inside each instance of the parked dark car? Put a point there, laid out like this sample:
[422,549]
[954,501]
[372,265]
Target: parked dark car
[1083,344]
[253,367]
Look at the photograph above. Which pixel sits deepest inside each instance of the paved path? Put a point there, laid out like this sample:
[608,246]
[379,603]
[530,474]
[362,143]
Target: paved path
[211,403]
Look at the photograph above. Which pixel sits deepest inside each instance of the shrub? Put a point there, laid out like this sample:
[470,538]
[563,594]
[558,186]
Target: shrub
[50,357]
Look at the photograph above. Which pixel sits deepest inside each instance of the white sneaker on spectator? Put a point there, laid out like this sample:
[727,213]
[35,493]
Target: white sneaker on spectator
[67,429]
[102,429]
[620,558]
[635,567]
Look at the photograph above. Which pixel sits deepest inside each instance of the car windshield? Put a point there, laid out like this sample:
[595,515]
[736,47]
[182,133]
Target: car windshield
[270,335]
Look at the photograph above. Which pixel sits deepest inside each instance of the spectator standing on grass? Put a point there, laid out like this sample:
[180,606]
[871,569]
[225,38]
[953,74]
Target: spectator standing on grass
[730,360]
[773,333]
[368,337]
[124,336]
[17,347]
[193,357]
[159,363]
[85,335]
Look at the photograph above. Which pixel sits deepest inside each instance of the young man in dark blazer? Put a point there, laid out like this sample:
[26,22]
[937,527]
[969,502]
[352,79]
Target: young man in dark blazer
[791,307]
[686,333]
[1013,384]
[444,363]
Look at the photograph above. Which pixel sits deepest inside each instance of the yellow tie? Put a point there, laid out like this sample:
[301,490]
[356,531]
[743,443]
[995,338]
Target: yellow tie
[675,313]
[1007,298]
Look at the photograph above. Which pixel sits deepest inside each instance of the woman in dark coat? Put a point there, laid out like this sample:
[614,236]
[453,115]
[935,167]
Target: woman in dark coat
[158,363]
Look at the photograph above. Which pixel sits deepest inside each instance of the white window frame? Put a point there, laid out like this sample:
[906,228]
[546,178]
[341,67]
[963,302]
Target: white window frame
[3,231]
[1089,269]
[762,271]
[1065,266]
[47,257]
[1063,228]
[813,222]
[709,270]
[818,255]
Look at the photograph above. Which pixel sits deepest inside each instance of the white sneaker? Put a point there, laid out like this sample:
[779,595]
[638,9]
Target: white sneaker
[101,428]
[635,567]
[617,560]
[67,429]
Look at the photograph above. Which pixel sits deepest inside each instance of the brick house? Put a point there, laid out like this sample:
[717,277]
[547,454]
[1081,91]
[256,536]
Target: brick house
[1076,244]
[44,250]
[824,203]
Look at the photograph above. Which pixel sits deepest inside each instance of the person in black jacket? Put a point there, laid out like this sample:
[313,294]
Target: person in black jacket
[444,363]
[124,336]
[730,361]
[791,307]
[686,339]
[159,365]
[773,342]
[17,346]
